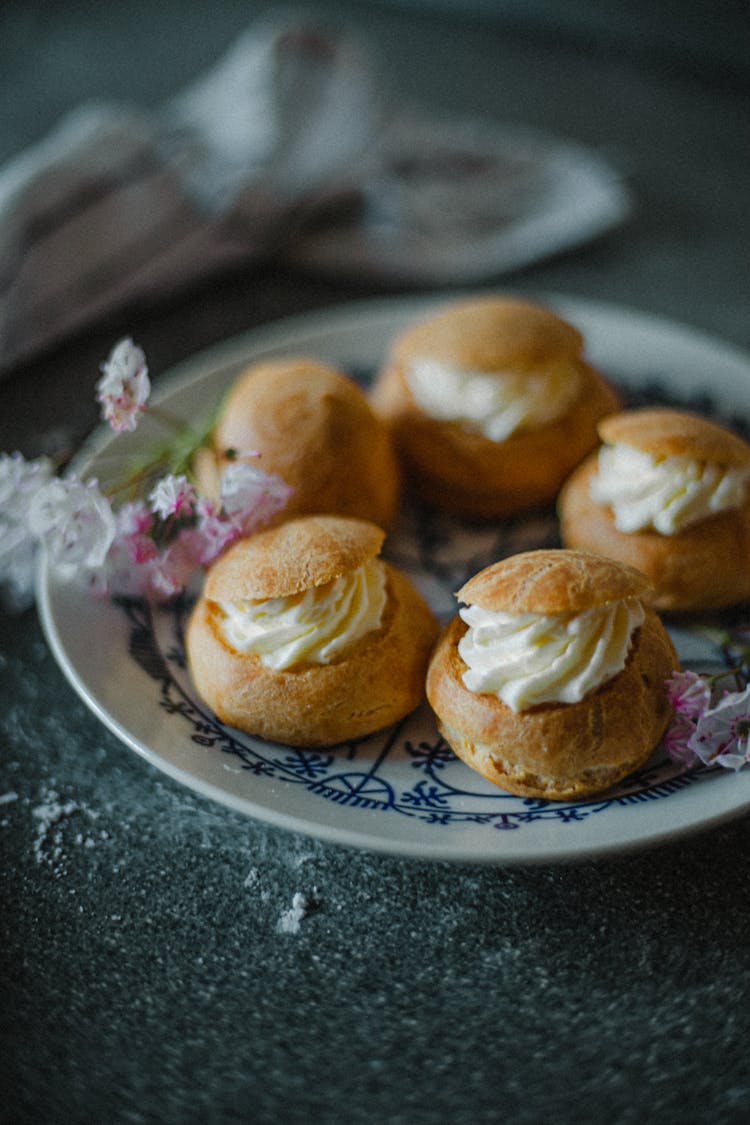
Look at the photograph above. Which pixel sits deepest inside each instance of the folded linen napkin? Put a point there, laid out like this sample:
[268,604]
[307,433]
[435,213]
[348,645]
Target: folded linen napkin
[287,147]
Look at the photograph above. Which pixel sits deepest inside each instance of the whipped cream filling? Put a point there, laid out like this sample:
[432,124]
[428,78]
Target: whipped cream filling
[497,403]
[663,494]
[530,658]
[314,626]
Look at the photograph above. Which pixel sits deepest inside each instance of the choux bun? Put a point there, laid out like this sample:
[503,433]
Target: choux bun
[556,750]
[313,426]
[703,566]
[375,681]
[451,462]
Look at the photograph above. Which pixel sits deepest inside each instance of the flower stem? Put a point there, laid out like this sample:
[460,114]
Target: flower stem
[166,419]
[173,455]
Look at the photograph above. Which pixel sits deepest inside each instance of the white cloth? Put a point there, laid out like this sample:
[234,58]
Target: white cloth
[287,147]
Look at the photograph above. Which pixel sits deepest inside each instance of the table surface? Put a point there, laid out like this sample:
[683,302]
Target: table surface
[144,975]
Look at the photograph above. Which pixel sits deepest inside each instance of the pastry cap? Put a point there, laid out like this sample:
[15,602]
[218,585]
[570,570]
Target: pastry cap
[553,581]
[297,555]
[675,433]
[491,334]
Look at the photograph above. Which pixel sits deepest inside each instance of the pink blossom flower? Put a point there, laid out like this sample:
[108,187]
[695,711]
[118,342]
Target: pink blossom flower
[689,694]
[149,558]
[172,496]
[124,387]
[122,574]
[149,548]
[722,733]
[676,741]
[252,497]
[170,571]
[133,537]
[134,518]
[216,532]
[75,522]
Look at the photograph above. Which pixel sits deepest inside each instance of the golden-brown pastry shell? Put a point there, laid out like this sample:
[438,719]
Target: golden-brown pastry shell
[704,566]
[490,333]
[557,751]
[378,681]
[553,581]
[458,468]
[314,427]
[297,555]
[664,432]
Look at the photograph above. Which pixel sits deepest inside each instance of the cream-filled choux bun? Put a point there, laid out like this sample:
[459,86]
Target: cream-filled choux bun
[668,492]
[313,426]
[550,682]
[491,405]
[303,635]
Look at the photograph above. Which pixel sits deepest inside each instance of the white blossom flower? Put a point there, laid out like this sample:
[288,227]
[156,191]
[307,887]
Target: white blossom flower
[251,496]
[722,733]
[124,387]
[75,522]
[172,496]
[215,530]
[17,556]
[20,480]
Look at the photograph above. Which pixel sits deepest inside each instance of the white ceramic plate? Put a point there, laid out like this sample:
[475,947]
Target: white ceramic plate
[402,791]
